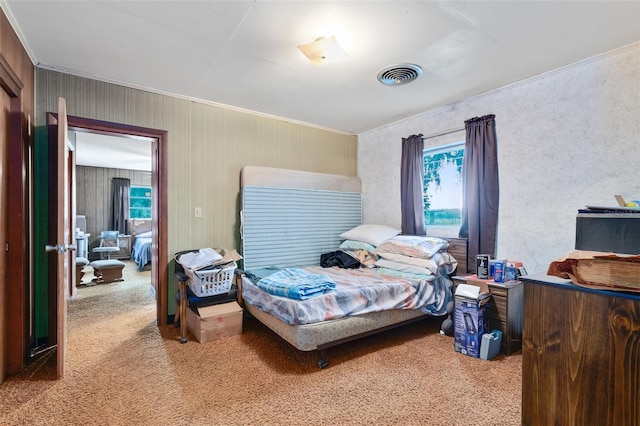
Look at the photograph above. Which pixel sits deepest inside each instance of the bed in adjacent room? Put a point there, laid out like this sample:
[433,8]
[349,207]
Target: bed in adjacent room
[292,222]
[141,248]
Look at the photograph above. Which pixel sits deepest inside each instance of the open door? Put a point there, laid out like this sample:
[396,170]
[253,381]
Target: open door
[60,225]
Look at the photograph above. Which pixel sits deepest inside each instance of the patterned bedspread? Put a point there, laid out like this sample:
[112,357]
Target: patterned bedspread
[358,291]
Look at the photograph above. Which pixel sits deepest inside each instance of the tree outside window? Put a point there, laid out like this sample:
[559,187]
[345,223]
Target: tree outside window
[443,185]
[140,202]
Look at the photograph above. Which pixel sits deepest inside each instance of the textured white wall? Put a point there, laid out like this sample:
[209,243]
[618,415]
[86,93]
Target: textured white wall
[566,138]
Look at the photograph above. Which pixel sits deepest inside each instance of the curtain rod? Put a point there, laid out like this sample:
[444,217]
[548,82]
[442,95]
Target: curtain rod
[443,133]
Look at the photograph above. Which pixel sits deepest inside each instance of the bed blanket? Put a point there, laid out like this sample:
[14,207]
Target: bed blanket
[358,291]
[141,250]
[296,283]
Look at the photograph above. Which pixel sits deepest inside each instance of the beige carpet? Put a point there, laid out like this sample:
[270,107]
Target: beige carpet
[124,370]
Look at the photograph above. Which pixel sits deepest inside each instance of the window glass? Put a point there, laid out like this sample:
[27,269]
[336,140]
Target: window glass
[443,186]
[140,202]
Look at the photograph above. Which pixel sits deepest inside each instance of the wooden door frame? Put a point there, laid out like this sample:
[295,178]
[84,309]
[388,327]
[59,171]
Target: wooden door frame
[18,239]
[71,220]
[159,183]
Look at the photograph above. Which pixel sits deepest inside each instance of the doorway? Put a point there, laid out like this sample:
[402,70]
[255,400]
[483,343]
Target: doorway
[113,191]
[158,139]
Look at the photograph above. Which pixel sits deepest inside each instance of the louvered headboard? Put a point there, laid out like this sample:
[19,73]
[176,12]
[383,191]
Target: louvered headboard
[290,217]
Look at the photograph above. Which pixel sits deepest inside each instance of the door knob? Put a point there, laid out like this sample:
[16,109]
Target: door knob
[60,248]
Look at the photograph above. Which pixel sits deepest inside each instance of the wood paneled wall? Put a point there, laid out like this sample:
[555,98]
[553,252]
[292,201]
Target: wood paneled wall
[93,188]
[207,145]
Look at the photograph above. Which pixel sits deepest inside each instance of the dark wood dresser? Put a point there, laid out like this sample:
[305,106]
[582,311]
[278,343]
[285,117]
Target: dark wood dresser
[580,355]
[458,249]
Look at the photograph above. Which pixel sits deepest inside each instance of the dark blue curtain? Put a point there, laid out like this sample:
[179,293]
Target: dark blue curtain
[411,185]
[481,189]
[119,217]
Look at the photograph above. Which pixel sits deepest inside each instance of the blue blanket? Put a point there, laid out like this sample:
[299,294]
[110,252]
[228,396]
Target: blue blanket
[296,283]
[141,251]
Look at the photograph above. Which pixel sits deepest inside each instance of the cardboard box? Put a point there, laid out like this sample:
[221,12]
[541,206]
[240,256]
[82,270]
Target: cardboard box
[215,322]
[469,316]
[483,287]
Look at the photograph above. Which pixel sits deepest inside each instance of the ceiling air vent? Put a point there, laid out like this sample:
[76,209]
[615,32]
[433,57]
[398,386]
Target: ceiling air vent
[395,75]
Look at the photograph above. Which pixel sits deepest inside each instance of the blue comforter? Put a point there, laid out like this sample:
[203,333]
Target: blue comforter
[141,251]
[296,283]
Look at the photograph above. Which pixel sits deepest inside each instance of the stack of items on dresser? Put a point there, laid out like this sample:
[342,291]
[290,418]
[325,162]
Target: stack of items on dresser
[607,249]
[499,271]
[213,311]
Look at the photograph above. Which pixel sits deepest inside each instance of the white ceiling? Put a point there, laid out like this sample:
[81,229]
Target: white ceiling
[117,152]
[243,54]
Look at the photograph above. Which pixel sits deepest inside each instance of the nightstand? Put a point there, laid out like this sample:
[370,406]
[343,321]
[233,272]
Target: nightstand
[504,311]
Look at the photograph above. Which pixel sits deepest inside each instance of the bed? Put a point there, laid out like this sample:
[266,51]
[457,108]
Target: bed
[141,248]
[290,220]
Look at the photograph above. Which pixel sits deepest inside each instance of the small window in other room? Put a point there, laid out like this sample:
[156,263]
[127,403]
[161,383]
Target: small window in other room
[443,189]
[140,202]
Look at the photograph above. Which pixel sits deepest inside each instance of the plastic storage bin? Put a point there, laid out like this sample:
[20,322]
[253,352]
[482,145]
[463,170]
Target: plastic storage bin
[209,282]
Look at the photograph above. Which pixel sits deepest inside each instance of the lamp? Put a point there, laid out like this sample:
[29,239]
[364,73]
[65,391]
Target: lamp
[323,50]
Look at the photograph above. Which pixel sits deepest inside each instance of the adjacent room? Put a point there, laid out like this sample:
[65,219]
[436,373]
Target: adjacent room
[113,195]
[294,213]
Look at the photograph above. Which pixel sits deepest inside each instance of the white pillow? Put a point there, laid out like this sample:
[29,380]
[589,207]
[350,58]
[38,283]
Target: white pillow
[356,245]
[413,245]
[429,264]
[403,267]
[441,263]
[372,234]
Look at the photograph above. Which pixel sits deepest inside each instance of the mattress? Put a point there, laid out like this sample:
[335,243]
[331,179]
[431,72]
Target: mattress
[309,337]
[357,292]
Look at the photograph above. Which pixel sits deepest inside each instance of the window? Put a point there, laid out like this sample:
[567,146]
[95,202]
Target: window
[140,202]
[443,186]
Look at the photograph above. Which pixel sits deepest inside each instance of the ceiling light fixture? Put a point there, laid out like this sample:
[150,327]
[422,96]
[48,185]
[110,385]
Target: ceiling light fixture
[323,50]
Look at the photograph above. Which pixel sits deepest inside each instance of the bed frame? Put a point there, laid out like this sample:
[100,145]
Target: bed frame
[273,226]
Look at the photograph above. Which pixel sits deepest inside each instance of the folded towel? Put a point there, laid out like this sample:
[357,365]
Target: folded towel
[296,283]
[199,259]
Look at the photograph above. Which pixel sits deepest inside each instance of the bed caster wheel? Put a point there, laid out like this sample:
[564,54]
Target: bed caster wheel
[183,340]
[323,363]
